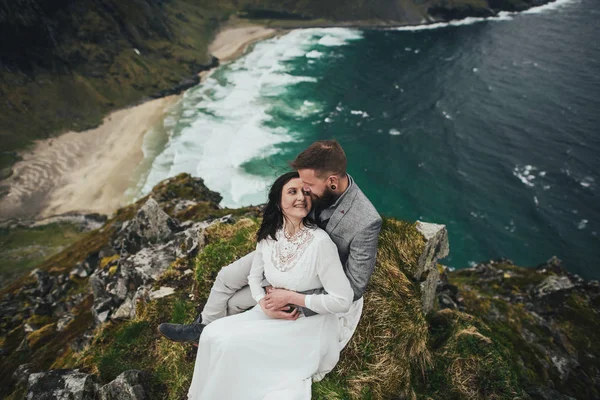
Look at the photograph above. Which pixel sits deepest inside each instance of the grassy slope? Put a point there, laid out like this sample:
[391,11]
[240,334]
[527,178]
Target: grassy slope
[575,327]
[22,249]
[396,352]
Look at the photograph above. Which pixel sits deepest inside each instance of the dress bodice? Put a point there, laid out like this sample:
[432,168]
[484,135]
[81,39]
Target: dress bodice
[289,262]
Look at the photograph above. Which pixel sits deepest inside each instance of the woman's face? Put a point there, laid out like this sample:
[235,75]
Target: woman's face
[295,202]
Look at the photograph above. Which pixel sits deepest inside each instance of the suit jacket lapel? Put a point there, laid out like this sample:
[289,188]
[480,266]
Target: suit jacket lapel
[342,208]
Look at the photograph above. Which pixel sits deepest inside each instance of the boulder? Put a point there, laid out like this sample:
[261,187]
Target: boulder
[130,385]
[44,282]
[60,385]
[553,284]
[21,374]
[150,225]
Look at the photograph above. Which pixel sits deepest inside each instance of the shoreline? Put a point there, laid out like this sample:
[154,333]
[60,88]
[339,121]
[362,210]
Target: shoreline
[50,179]
[82,172]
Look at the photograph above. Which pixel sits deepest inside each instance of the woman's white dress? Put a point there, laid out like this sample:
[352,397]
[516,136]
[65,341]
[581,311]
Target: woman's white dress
[250,356]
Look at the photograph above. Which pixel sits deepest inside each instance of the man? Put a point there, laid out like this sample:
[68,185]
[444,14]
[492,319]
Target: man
[339,207]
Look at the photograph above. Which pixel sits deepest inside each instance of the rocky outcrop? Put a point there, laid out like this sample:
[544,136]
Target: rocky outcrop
[150,225]
[130,385]
[436,247]
[551,317]
[77,385]
[147,245]
[60,384]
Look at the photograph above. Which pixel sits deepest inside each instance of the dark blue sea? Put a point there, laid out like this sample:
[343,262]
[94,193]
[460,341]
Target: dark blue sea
[490,127]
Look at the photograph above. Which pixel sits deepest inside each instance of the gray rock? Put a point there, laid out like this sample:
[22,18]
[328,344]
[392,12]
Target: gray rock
[546,393]
[436,247]
[164,291]
[118,288]
[151,225]
[79,271]
[21,374]
[102,317]
[125,311]
[446,302]
[64,321]
[60,385]
[130,385]
[553,284]
[44,282]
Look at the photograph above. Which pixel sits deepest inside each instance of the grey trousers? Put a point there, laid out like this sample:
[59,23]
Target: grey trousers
[230,294]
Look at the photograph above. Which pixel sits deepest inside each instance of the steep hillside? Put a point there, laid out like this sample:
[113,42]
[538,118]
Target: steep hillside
[89,314]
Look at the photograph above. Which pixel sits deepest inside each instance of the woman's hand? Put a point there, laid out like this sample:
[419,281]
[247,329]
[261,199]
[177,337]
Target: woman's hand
[277,299]
[278,314]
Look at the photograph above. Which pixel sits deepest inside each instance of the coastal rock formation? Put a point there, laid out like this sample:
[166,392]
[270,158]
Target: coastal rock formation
[77,385]
[549,317]
[436,247]
[495,330]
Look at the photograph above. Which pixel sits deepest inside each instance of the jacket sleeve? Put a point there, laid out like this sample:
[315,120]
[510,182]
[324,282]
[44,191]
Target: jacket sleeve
[331,274]
[257,273]
[361,257]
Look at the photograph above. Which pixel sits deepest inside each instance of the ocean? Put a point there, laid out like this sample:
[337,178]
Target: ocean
[489,126]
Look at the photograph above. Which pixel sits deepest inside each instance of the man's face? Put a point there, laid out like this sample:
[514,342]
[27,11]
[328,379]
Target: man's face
[320,192]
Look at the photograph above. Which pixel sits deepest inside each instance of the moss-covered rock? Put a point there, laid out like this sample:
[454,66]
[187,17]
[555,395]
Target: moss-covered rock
[547,319]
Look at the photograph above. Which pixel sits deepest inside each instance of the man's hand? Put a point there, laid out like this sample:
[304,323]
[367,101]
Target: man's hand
[279,313]
[277,299]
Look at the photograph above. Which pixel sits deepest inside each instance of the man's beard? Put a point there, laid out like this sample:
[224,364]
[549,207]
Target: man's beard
[324,201]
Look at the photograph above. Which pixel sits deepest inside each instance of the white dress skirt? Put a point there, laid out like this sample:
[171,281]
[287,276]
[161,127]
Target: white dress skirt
[251,356]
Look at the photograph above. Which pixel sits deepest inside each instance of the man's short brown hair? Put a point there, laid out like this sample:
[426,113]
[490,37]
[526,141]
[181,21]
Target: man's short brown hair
[326,157]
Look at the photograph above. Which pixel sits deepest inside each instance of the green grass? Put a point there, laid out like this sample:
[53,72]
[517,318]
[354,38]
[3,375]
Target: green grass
[21,249]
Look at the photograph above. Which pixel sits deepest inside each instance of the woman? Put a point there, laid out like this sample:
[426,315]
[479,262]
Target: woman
[253,356]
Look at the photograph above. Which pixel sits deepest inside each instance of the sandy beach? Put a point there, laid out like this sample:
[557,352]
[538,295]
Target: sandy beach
[90,171]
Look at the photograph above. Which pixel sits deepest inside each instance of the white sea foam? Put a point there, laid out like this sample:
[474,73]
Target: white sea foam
[395,132]
[477,214]
[502,16]
[314,54]
[363,114]
[223,123]
[524,174]
[582,224]
[555,5]
[511,227]
[587,181]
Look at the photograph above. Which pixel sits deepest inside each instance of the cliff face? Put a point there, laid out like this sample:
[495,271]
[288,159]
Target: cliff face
[90,313]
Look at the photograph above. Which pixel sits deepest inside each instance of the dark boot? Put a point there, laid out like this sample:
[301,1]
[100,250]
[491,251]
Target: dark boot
[182,333]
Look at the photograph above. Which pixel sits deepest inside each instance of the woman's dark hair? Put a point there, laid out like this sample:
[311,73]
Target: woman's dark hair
[272,214]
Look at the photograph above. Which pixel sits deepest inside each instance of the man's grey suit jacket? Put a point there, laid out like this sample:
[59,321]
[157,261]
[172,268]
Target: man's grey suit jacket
[354,228]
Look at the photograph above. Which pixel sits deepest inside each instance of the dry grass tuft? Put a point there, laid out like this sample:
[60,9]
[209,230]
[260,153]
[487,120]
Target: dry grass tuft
[390,344]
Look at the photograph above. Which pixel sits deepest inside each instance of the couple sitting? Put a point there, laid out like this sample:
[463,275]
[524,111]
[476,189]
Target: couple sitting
[315,255]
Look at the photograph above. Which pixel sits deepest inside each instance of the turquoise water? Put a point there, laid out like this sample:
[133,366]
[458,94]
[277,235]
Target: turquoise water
[489,127]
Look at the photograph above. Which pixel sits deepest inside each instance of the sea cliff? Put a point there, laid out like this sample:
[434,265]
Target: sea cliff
[83,323]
